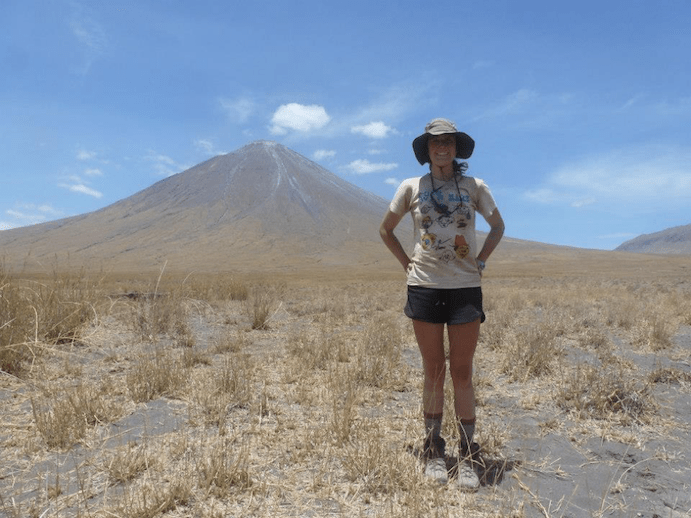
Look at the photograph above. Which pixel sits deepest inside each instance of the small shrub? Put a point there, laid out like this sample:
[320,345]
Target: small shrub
[55,311]
[532,352]
[89,404]
[128,462]
[345,394]
[226,342]
[155,375]
[158,314]
[58,423]
[374,465]
[669,375]
[378,356]
[601,394]
[261,304]
[223,467]
[656,332]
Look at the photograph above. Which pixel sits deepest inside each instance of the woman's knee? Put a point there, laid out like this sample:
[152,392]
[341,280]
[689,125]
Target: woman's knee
[462,375]
[435,371]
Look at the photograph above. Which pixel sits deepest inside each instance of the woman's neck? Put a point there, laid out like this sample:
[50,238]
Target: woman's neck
[444,173]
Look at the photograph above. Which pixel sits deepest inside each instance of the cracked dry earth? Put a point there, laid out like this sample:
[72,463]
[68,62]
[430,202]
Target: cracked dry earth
[310,433]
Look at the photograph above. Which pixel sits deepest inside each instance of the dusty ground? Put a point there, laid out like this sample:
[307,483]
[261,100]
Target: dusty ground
[318,413]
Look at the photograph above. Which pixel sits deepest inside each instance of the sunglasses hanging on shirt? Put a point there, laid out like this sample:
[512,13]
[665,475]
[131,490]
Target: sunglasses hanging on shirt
[442,208]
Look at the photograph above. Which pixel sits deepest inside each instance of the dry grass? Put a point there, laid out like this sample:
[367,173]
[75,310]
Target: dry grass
[214,396]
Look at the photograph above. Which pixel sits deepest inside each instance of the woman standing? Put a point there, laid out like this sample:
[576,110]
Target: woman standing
[443,278]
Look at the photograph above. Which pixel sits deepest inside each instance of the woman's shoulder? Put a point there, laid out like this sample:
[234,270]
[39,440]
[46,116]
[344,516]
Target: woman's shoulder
[412,182]
[473,181]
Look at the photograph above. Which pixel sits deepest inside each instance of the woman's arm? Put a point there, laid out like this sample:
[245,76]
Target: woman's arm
[386,231]
[496,231]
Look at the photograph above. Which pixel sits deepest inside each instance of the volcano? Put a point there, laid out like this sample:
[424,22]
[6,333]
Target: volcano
[263,206]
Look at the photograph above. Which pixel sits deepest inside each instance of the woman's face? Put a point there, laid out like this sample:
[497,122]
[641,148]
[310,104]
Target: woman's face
[442,149]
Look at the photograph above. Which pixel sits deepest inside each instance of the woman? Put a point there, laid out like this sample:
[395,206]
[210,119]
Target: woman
[444,276]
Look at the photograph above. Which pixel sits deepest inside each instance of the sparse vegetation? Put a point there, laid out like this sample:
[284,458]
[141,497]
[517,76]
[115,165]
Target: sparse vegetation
[213,396]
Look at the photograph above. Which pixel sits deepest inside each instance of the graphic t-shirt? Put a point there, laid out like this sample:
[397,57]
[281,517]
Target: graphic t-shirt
[444,222]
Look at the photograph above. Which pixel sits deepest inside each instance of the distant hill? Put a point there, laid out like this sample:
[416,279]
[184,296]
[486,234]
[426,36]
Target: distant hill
[673,241]
[263,206]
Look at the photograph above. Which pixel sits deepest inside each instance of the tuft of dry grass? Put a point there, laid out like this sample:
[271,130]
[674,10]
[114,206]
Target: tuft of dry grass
[157,373]
[532,352]
[604,394]
[37,312]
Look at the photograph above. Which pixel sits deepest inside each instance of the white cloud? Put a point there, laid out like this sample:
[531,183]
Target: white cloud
[93,172]
[583,203]
[397,102]
[164,165]
[632,101]
[81,188]
[373,130]
[90,34]
[29,214]
[392,181]
[543,195]
[83,154]
[321,154]
[239,109]
[207,147]
[512,103]
[363,166]
[528,109]
[644,178]
[298,117]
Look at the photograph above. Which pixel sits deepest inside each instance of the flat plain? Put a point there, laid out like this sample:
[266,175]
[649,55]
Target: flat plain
[271,394]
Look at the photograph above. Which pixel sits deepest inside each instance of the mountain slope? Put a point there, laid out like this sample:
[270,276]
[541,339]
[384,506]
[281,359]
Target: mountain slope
[263,205]
[675,240]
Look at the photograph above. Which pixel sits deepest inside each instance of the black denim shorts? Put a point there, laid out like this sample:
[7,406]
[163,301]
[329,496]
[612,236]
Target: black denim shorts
[444,306]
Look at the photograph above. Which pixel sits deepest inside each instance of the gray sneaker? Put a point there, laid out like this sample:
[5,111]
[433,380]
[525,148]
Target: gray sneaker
[435,469]
[466,478]
[434,455]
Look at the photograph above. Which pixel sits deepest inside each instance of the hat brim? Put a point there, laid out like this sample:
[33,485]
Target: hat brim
[464,146]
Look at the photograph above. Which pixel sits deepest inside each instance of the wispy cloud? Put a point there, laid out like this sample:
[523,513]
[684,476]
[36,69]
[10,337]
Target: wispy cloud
[298,117]
[207,147]
[239,110]
[93,172]
[375,130]
[636,99]
[511,104]
[673,108]
[90,35]
[527,108]
[396,102]
[28,214]
[395,182]
[363,166]
[322,154]
[84,189]
[76,184]
[164,165]
[83,154]
[644,178]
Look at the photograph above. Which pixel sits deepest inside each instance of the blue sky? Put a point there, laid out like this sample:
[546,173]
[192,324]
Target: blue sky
[580,111]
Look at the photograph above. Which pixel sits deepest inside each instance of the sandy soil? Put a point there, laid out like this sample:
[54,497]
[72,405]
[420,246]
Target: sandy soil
[539,461]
